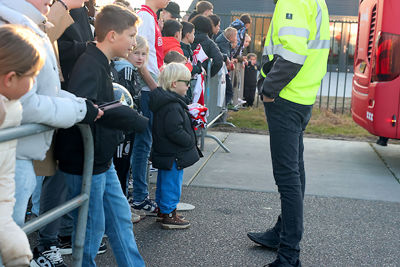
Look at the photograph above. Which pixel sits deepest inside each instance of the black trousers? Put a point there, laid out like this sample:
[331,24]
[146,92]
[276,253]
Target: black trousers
[249,93]
[287,121]
[122,160]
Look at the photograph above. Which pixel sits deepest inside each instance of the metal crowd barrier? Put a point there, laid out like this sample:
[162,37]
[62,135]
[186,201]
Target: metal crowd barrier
[81,200]
[216,112]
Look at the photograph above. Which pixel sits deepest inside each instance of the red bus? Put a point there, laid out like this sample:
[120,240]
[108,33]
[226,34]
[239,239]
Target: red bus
[376,81]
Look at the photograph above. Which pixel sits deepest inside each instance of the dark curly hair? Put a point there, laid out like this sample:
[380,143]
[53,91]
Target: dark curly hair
[202,24]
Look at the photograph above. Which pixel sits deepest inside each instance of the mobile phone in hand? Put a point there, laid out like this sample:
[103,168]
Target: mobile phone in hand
[110,105]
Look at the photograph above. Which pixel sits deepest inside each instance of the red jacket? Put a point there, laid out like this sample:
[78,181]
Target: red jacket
[171,44]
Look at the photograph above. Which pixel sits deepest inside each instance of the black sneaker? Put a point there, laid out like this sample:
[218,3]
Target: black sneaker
[49,257]
[148,206]
[103,248]
[66,246]
[269,239]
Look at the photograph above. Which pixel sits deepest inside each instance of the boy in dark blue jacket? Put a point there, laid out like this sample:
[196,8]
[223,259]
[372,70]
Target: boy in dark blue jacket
[174,141]
[109,210]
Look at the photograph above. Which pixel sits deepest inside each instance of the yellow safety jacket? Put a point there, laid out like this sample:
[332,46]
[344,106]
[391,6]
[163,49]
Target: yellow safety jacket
[299,33]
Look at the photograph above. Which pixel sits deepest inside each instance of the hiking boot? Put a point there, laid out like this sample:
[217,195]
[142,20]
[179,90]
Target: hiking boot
[172,221]
[269,239]
[49,257]
[160,217]
[148,205]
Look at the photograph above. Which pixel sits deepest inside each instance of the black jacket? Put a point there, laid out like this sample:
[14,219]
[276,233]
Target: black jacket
[211,50]
[73,41]
[224,46]
[90,78]
[173,135]
[188,53]
[250,75]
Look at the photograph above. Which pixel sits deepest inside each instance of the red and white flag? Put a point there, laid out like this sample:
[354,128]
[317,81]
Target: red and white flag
[199,55]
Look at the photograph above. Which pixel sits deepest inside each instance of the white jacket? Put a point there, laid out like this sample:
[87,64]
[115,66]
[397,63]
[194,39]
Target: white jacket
[14,245]
[46,103]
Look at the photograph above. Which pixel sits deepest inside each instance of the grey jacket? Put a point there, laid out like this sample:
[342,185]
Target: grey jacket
[45,103]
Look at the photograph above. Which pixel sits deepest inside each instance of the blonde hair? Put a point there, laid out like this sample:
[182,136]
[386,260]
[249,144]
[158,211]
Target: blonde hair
[230,32]
[172,73]
[141,43]
[20,50]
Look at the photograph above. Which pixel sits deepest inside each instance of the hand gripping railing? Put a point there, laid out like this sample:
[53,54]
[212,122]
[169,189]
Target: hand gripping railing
[81,200]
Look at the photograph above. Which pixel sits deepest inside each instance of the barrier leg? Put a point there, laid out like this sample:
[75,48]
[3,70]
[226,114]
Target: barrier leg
[86,183]
[218,142]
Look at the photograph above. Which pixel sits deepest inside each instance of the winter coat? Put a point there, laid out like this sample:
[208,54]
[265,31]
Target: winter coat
[45,103]
[14,245]
[91,78]
[211,50]
[250,75]
[73,41]
[173,135]
[224,46]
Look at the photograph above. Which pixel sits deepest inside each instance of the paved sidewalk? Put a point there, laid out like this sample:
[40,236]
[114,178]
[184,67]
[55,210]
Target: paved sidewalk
[352,207]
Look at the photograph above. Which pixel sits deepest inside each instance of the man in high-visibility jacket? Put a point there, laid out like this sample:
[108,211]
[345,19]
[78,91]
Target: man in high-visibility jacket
[297,48]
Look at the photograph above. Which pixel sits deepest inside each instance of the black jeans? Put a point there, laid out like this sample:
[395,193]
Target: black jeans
[287,121]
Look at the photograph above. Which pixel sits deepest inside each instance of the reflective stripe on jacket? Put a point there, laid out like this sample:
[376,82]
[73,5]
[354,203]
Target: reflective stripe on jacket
[299,33]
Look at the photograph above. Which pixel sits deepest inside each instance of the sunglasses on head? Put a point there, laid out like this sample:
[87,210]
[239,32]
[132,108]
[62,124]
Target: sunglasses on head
[186,82]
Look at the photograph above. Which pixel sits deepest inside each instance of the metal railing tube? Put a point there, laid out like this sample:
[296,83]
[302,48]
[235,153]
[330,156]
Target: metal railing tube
[86,183]
[22,131]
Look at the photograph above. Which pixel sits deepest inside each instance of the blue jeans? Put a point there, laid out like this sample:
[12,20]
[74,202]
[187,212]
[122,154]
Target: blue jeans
[169,189]
[109,212]
[141,152]
[54,193]
[287,121]
[25,182]
[36,195]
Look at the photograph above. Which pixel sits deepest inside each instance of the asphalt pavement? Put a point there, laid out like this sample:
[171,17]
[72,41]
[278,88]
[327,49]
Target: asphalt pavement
[352,207]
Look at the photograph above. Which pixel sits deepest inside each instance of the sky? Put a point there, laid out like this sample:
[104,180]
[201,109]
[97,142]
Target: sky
[184,4]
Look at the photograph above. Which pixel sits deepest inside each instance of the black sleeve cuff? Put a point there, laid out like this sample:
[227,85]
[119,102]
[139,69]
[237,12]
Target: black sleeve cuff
[91,112]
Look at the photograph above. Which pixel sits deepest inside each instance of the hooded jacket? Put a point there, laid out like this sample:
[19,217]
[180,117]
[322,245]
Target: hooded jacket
[173,135]
[45,103]
[211,50]
[224,46]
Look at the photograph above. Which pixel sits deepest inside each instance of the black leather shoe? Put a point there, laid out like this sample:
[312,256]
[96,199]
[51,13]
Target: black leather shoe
[269,239]
[278,263]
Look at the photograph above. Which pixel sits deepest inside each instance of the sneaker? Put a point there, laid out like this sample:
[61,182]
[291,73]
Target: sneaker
[50,257]
[160,217]
[148,205]
[269,239]
[172,221]
[136,217]
[66,246]
[102,248]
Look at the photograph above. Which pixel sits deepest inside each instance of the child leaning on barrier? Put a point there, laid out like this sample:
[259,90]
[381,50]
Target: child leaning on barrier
[21,59]
[174,142]
[129,76]
[109,211]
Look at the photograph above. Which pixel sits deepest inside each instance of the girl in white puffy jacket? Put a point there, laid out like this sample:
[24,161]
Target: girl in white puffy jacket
[21,59]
